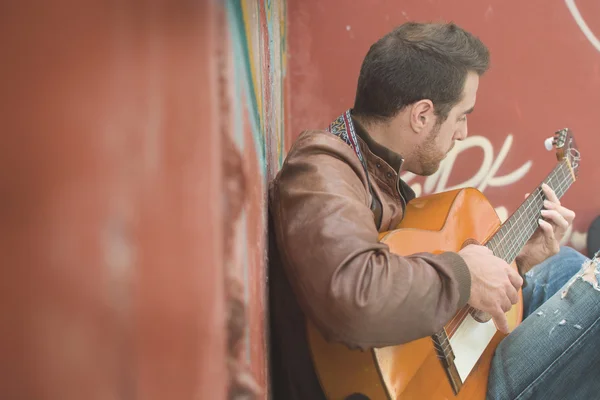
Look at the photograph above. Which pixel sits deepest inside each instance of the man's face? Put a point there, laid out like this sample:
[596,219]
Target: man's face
[436,145]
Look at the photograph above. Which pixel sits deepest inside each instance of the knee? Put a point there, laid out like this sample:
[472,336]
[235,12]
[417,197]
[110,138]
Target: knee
[567,252]
[566,259]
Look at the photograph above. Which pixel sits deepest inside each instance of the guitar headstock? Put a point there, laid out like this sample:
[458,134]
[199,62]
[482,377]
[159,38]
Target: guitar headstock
[566,148]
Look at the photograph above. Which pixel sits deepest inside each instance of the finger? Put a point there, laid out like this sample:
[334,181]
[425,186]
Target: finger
[550,195]
[506,305]
[568,214]
[527,195]
[515,279]
[556,218]
[550,237]
[547,229]
[512,295]
[500,320]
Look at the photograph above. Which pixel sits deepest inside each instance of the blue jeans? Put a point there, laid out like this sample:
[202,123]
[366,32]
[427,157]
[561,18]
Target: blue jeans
[552,353]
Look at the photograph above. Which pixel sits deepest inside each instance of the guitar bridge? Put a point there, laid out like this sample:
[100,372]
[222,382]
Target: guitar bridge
[445,354]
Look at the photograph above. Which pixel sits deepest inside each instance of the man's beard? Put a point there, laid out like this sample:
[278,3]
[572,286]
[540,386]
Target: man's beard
[428,154]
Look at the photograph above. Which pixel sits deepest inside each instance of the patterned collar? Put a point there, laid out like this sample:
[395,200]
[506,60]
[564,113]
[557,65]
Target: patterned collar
[348,128]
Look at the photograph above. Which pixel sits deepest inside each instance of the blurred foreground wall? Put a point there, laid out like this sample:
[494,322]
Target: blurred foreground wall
[137,141]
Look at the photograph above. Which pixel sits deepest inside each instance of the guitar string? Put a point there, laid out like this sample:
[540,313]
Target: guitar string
[523,221]
[518,222]
[536,199]
[530,202]
[460,315]
[562,187]
[523,214]
[526,225]
[539,195]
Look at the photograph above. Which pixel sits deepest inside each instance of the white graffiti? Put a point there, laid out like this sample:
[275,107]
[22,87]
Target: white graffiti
[484,176]
[582,24]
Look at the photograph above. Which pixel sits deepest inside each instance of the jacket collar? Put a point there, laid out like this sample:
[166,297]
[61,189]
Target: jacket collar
[394,159]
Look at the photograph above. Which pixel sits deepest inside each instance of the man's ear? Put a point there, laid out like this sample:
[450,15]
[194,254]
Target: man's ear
[421,115]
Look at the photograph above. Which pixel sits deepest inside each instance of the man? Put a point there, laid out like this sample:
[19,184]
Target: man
[339,187]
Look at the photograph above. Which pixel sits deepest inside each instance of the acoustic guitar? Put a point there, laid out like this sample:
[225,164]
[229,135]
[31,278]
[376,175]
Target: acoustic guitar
[453,363]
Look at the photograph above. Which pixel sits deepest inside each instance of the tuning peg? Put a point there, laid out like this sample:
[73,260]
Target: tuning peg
[549,143]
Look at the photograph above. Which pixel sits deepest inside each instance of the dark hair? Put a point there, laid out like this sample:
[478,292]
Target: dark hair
[418,61]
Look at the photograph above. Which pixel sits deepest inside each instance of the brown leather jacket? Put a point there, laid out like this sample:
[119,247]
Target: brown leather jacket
[327,264]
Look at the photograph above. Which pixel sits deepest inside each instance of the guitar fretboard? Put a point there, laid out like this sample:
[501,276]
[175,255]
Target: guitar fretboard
[508,241]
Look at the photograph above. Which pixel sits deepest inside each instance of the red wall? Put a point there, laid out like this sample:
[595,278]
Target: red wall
[545,75]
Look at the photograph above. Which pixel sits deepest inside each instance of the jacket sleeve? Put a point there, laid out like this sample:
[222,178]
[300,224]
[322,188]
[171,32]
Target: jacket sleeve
[347,282]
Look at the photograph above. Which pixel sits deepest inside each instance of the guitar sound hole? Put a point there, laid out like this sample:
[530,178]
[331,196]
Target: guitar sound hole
[468,242]
[357,396]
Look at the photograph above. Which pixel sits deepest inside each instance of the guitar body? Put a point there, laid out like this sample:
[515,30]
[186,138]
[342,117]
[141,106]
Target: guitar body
[441,222]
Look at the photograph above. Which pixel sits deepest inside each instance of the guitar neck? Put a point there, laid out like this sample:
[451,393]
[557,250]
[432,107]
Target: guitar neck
[508,241]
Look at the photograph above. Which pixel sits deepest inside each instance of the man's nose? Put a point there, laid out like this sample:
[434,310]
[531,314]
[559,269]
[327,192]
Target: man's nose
[462,133]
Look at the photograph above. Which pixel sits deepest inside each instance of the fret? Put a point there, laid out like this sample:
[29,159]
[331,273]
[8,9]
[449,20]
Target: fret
[493,245]
[508,241]
[559,187]
[565,177]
